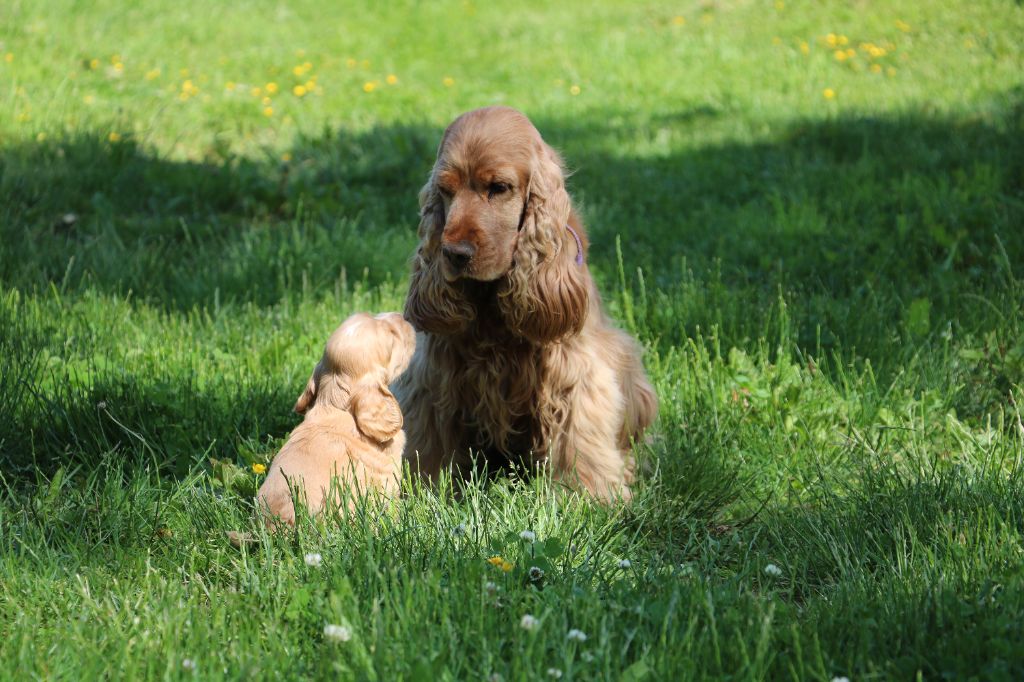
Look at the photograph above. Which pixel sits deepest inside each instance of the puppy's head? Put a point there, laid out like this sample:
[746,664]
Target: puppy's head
[363,356]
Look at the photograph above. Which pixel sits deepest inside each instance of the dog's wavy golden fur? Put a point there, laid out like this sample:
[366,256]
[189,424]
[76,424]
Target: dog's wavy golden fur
[515,356]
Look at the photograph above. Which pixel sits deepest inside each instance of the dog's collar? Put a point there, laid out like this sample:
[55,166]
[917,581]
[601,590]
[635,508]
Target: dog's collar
[579,244]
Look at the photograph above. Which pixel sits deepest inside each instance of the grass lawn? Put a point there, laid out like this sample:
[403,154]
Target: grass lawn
[810,213]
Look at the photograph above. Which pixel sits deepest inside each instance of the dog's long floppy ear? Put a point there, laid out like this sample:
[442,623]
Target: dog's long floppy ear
[376,410]
[305,400]
[546,294]
[433,304]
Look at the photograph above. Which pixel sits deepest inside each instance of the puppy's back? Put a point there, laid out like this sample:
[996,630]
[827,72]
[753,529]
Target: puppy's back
[320,449]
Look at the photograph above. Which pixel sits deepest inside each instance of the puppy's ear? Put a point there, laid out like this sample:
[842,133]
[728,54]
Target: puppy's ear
[305,400]
[376,411]
[546,294]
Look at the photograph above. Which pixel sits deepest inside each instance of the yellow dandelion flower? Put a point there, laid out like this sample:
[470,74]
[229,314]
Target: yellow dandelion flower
[183,96]
[152,74]
[229,86]
[271,87]
[506,566]
[891,71]
[840,55]
[679,21]
[306,66]
[574,90]
[350,63]
[369,86]
[9,57]
[311,85]
[828,93]
[876,68]
[115,59]
[89,99]
[903,26]
[298,71]
[842,40]
[495,561]
[391,79]
[851,53]
[299,91]
[286,157]
[877,51]
[268,111]
[23,117]
[41,137]
[830,39]
[266,101]
[258,468]
[448,81]
[780,5]
[114,137]
[94,64]
[119,67]
[256,92]
[805,47]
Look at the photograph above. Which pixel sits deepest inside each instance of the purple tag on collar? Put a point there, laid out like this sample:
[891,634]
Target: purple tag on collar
[579,244]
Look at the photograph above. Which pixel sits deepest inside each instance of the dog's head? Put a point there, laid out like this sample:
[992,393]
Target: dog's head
[363,356]
[496,210]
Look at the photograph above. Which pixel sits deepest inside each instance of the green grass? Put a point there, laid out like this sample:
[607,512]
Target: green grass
[830,292]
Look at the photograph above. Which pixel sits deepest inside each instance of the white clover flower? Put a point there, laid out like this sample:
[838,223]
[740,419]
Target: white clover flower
[576,635]
[841,679]
[313,559]
[554,672]
[587,657]
[536,573]
[495,677]
[529,623]
[337,633]
[189,664]
[625,563]
[772,570]
[490,587]
[528,535]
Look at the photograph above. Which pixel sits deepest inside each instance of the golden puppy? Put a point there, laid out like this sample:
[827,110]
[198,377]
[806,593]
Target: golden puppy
[353,426]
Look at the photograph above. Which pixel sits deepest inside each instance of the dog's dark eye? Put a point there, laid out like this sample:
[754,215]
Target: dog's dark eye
[496,188]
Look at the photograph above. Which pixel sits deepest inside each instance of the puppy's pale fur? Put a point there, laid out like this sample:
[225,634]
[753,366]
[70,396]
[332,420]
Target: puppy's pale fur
[353,425]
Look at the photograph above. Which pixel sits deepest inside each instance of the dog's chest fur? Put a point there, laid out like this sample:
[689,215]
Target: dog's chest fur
[493,389]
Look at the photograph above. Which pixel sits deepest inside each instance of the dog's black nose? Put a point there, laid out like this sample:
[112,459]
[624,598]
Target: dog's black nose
[458,255]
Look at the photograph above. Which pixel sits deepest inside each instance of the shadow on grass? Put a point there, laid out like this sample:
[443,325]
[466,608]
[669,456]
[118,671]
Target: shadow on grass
[913,202]
[854,218]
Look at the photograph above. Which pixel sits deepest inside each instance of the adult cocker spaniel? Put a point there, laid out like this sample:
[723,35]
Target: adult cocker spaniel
[515,361]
